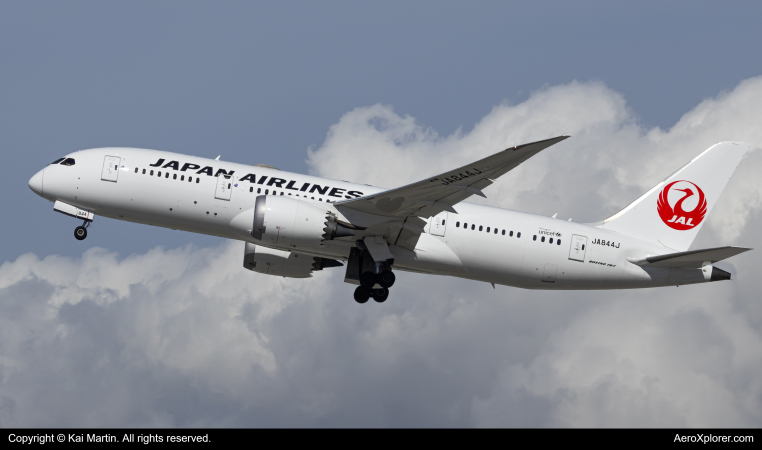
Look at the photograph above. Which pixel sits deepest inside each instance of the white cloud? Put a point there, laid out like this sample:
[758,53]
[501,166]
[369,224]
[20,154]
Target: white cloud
[187,337]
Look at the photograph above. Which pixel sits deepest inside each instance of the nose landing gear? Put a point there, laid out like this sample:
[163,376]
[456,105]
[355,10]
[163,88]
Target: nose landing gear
[80,233]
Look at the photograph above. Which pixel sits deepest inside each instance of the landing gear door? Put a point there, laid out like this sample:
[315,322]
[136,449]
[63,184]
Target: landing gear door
[110,168]
[438,224]
[578,245]
[224,187]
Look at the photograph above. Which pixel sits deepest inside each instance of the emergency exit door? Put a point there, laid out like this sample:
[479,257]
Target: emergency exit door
[110,168]
[438,224]
[224,187]
[578,244]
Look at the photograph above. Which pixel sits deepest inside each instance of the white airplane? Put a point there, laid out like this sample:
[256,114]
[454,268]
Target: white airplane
[293,224]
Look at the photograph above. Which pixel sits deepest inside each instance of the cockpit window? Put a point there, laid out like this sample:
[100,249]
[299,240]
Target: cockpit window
[57,161]
[68,162]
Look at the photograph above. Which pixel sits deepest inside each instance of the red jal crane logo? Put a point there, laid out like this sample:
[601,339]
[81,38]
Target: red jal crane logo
[675,216]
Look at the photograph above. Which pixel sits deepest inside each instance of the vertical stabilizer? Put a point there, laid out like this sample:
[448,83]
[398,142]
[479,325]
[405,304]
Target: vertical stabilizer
[673,211]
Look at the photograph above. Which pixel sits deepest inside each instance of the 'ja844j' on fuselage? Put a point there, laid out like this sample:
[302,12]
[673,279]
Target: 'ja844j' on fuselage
[294,224]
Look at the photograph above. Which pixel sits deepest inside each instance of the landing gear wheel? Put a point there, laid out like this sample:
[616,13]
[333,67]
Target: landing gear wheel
[386,279]
[368,279]
[380,295]
[362,294]
[80,233]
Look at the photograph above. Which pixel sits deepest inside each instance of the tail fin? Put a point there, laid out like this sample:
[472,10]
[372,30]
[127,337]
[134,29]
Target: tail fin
[673,211]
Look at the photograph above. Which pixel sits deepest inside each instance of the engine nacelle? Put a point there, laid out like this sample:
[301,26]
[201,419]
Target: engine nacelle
[282,263]
[290,222]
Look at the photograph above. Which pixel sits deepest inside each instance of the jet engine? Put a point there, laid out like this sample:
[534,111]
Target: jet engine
[290,222]
[282,263]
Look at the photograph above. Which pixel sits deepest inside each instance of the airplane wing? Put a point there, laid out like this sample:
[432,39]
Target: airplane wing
[433,195]
[690,259]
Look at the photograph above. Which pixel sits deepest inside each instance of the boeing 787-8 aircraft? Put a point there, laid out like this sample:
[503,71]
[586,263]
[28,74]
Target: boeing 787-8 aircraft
[292,225]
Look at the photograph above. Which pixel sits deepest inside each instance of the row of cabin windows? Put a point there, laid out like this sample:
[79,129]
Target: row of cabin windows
[510,233]
[542,239]
[473,227]
[267,192]
[198,179]
[174,176]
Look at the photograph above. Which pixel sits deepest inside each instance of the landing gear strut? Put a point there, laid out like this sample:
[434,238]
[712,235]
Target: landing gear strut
[80,232]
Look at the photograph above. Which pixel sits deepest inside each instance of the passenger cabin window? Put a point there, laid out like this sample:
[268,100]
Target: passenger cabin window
[518,235]
[159,174]
[457,224]
[496,231]
[136,170]
[174,177]
[534,238]
[251,189]
[480,228]
[144,171]
[190,179]
[509,234]
[465,225]
[542,239]
[182,177]
[551,240]
[504,233]
[57,161]
[487,229]
[267,191]
[473,226]
[67,162]
[166,175]
[198,180]
[259,190]
[558,242]
[152,173]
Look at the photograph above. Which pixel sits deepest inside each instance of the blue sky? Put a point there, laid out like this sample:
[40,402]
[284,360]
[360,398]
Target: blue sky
[134,327]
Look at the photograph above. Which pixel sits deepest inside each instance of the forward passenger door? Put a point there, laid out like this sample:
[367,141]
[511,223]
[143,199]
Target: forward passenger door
[110,170]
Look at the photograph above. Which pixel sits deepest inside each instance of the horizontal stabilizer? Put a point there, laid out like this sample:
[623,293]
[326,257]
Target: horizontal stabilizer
[691,259]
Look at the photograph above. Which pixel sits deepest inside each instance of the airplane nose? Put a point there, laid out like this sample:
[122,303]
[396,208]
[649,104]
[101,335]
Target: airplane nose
[35,183]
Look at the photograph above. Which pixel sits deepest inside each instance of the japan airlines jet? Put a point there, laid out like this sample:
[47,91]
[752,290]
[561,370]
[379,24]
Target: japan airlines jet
[293,225]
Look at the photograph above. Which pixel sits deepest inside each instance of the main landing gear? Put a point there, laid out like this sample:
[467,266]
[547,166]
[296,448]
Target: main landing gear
[80,233]
[367,289]
[374,277]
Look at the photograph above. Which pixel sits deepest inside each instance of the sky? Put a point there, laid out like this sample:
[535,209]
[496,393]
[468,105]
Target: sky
[140,326]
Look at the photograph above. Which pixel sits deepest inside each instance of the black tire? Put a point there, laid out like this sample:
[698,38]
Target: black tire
[380,295]
[386,279]
[368,279]
[362,294]
[80,233]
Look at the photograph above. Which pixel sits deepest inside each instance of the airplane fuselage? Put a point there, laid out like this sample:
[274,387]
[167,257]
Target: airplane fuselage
[479,242]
